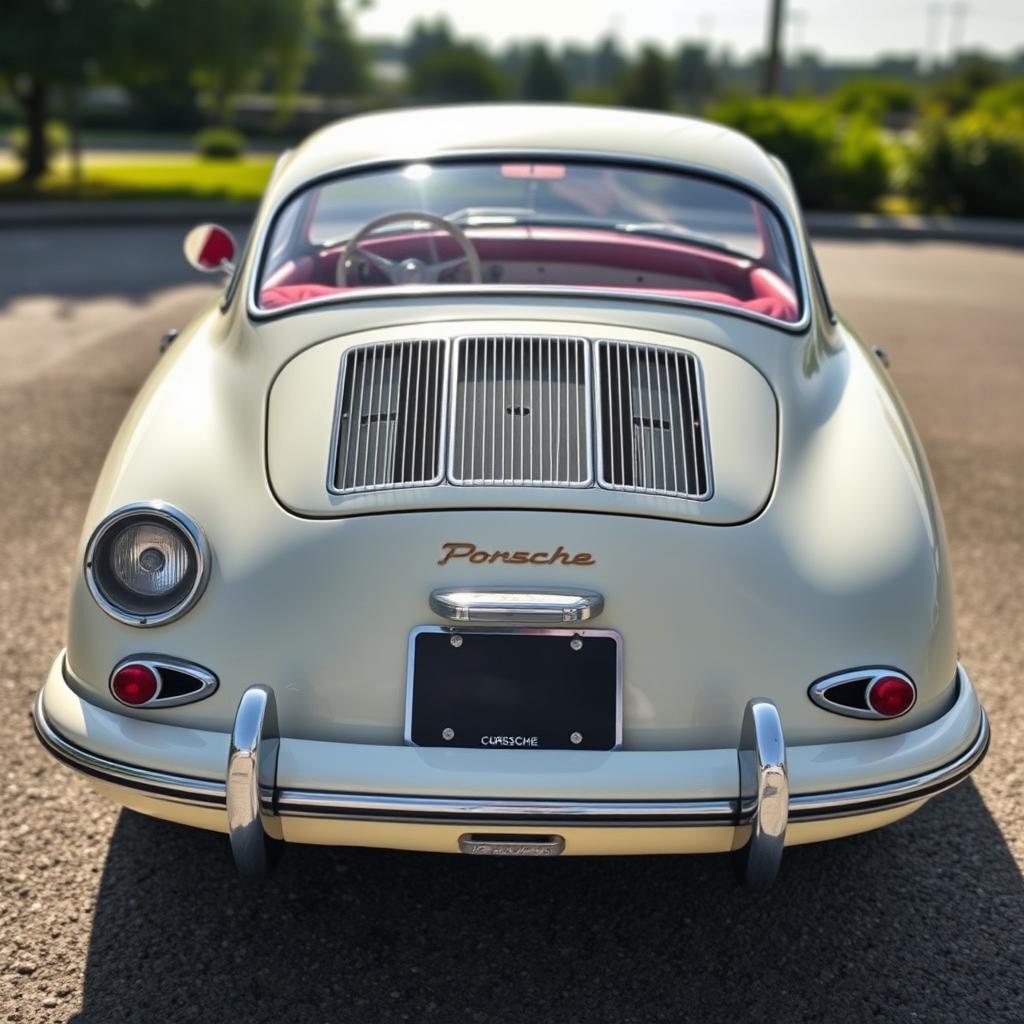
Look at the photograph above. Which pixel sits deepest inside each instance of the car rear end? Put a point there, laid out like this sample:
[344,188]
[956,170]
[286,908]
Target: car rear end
[460,651]
[514,567]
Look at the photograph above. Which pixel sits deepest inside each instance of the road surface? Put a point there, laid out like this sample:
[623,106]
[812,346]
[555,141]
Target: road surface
[108,917]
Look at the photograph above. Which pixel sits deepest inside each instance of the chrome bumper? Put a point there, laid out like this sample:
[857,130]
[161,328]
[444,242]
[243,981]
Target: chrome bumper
[762,803]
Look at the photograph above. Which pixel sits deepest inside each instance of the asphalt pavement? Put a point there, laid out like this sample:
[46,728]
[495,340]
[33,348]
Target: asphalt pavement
[107,916]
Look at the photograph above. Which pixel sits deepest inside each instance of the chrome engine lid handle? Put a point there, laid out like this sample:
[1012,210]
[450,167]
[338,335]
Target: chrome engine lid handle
[500,604]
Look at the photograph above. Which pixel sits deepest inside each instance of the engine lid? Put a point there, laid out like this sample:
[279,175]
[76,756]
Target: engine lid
[490,414]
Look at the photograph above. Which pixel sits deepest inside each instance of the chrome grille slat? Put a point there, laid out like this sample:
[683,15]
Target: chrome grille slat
[650,427]
[519,440]
[388,391]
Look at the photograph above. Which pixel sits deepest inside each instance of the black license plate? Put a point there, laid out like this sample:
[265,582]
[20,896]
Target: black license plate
[550,690]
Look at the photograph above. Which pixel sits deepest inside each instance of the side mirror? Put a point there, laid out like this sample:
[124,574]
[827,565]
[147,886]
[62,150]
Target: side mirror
[209,247]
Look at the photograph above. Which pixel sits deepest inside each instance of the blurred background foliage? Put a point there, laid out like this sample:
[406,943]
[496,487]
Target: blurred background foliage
[218,86]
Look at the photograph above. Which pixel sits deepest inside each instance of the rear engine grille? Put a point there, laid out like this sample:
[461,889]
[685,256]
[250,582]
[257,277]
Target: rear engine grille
[521,415]
[652,436]
[390,416]
[521,412]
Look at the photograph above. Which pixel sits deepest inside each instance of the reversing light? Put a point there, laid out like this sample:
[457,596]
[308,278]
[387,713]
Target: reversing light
[135,684]
[890,696]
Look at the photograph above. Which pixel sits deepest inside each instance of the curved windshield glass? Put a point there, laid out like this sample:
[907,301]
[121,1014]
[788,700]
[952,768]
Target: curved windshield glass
[538,225]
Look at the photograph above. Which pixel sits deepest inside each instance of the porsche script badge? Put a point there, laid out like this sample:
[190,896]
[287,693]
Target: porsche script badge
[463,549]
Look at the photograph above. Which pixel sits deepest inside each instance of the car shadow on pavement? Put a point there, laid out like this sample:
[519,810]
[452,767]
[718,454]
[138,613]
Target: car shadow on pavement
[923,918]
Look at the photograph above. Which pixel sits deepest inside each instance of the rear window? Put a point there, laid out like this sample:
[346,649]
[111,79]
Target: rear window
[540,225]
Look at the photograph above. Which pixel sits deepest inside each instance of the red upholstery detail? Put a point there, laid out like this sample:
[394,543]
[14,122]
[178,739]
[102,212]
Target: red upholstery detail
[289,294]
[298,271]
[768,306]
[765,292]
[778,309]
[517,243]
[766,284]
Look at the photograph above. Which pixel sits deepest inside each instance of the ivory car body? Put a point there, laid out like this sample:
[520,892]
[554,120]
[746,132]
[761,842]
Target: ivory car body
[521,494]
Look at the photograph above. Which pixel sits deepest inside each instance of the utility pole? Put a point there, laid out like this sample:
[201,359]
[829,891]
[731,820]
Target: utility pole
[957,28]
[933,16]
[797,24]
[773,58]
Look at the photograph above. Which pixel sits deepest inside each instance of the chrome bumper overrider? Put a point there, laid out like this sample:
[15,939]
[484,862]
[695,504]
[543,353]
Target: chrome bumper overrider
[762,803]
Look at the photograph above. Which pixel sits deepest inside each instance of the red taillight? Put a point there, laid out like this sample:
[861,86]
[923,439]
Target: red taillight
[891,696]
[134,684]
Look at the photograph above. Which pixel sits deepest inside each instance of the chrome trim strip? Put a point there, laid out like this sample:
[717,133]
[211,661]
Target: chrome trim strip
[764,794]
[865,799]
[478,810]
[179,788]
[789,228]
[252,770]
[439,810]
[417,630]
[200,548]
[155,662]
[499,604]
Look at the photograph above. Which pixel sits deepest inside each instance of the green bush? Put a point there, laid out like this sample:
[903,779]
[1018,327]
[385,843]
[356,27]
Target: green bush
[860,165]
[972,165]
[958,91]
[875,98]
[601,95]
[1004,101]
[836,163]
[57,137]
[220,143]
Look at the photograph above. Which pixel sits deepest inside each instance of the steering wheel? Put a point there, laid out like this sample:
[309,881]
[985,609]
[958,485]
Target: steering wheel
[411,270]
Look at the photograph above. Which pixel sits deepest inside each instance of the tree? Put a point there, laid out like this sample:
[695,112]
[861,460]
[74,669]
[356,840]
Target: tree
[693,76]
[512,60]
[182,48]
[50,45]
[428,37]
[461,73]
[608,62]
[543,77]
[646,83]
[244,37]
[339,64]
[576,62]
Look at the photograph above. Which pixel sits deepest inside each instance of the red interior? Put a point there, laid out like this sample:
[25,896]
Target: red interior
[704,275]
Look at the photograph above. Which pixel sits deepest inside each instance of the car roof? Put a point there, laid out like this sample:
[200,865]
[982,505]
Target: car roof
[423,132]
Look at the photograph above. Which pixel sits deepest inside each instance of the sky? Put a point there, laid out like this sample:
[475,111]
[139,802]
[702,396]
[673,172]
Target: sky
[858,29]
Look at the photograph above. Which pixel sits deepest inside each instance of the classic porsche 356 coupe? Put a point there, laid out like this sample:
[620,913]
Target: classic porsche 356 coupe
[521,494]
